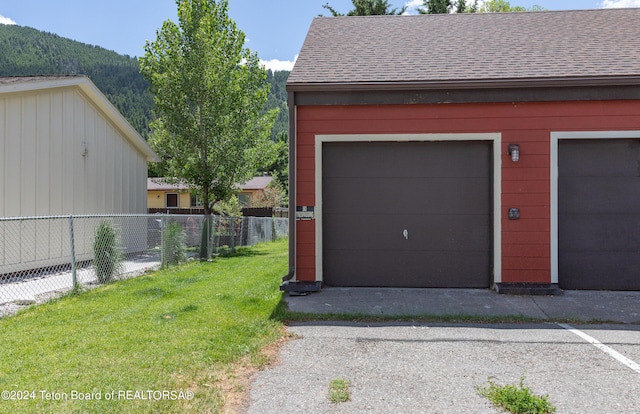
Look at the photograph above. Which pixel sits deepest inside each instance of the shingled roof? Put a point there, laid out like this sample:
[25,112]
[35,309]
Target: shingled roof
[472,48]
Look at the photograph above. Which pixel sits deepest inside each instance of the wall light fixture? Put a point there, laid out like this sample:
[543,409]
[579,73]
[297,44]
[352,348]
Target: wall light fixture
[514,151]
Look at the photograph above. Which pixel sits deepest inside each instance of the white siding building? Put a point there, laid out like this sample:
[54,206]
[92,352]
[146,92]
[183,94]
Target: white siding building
[65,149]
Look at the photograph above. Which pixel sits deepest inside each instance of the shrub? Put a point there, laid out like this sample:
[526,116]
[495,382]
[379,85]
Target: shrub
[230,207]
[106,252]
[174,245]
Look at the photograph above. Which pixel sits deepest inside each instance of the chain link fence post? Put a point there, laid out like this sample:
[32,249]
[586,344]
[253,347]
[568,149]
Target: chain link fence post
[204,238]
[162,252]
[274,232]
[72,246]
[233,234]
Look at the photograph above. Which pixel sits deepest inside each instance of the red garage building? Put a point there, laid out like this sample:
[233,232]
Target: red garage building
[467,150]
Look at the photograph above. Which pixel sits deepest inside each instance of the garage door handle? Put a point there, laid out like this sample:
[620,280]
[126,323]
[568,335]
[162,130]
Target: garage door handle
[405,233]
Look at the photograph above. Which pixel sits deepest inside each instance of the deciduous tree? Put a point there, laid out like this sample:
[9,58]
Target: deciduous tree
[499,6]
[209,93]
[446,6]
[461,6]
[503,6]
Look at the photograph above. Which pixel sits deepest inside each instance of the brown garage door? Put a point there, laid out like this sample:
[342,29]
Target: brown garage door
[413,214]
[599,214]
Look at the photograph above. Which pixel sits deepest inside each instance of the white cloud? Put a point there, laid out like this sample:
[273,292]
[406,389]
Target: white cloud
[618,4]
[275,64]
[6,20]
[413,5]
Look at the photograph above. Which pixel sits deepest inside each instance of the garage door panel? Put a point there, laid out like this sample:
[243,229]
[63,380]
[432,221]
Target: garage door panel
[599,158]
[407,269]
[347,159]
[597,233]
[597,195]
[409,195]
[440,192]
[425,232]
[599,214]
[614,270]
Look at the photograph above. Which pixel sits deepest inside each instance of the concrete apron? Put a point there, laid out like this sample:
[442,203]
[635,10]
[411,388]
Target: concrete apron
[603,306]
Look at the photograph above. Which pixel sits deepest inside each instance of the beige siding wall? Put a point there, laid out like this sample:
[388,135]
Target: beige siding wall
[155,199]
[43,171]
[184,200]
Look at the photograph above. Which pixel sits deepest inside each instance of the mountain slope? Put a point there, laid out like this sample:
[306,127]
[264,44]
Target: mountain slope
[278,99]
[26,52]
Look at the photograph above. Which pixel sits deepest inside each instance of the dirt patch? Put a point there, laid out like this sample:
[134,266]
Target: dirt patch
[236,385]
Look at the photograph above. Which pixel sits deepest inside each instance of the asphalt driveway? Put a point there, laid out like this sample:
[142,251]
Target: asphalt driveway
[435,368]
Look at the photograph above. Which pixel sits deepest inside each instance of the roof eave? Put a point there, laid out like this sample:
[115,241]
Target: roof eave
[556,82]
[118,119]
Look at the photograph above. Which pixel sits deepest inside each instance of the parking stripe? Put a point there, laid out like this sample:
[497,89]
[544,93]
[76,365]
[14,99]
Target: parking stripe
[593,341]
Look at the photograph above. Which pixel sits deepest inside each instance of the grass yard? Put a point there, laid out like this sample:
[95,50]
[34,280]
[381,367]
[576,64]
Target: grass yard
[146,344]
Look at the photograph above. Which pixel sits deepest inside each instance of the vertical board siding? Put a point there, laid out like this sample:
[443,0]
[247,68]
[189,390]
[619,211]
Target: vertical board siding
[42,167]
[80,161]
[67,160]
[54,137]
[117,171]
[3,139]
[125,175]
[13,150]
[43,156]
[28,157]
[28,177]
[90,160]
[525,184]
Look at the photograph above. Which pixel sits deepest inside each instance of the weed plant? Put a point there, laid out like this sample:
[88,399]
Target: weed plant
[175,250]
[517,399]
[339,391]
[106,252]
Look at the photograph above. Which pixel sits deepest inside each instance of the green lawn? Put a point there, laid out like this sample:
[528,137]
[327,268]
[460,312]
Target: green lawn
[145,344]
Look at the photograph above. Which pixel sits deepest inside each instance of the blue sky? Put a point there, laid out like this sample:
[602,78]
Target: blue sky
[275,28]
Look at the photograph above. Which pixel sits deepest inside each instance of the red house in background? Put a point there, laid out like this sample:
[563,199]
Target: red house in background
[467,150]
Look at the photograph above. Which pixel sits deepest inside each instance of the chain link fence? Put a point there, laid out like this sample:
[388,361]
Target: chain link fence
[43,257]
